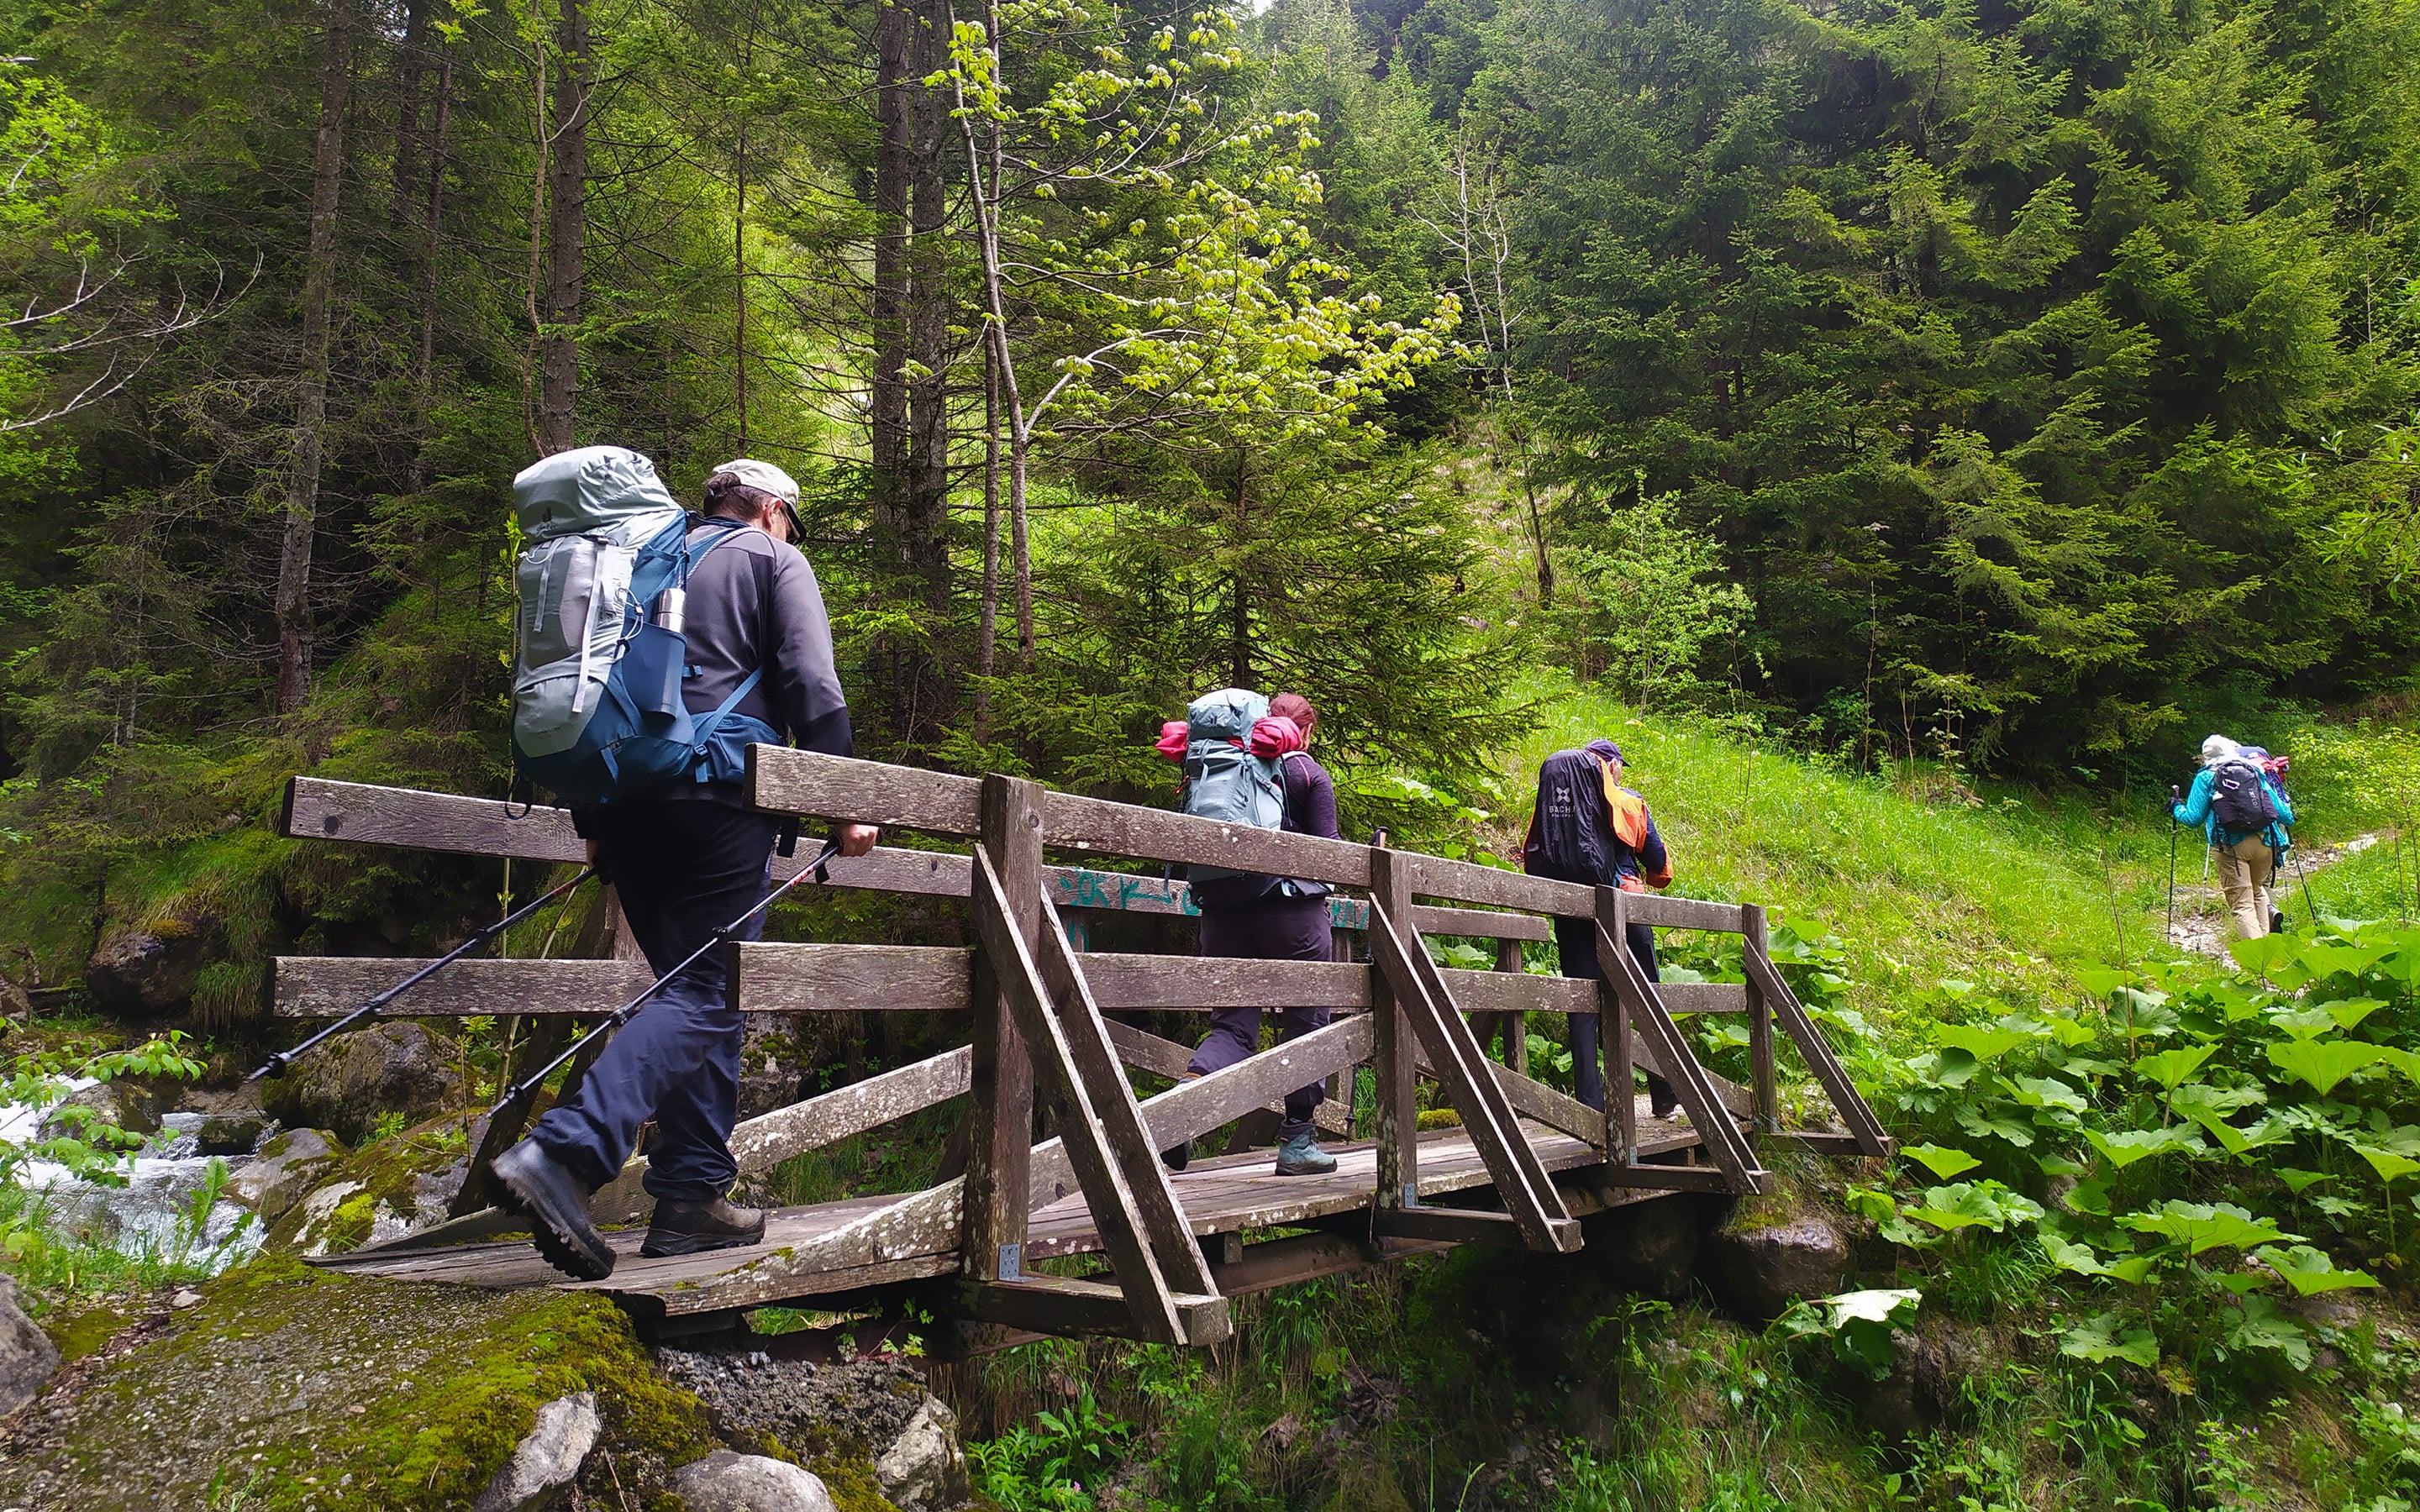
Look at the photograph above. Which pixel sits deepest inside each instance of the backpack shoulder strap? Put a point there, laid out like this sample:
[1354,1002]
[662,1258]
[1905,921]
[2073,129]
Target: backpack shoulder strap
[703,728]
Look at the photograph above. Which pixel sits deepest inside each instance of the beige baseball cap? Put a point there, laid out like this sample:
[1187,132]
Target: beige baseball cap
[772,480]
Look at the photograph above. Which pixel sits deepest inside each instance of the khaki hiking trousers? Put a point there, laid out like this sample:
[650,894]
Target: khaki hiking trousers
[2245,869]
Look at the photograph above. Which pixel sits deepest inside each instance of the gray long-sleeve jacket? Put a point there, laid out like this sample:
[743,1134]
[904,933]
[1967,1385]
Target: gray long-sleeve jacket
[753,602]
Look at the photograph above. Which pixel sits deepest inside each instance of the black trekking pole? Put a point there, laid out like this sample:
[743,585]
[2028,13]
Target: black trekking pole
[277,1063]
[2176,800]
[2302,874]
[620,1016]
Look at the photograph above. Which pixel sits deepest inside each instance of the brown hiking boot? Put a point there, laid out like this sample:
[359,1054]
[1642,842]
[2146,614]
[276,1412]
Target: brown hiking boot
[692,1227]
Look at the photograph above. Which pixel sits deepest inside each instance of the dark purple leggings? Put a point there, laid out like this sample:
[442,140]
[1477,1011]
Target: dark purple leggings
[1272,928]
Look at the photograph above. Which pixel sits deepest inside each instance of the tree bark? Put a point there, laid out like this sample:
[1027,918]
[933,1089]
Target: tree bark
[739,284]
[887,396]
[294,624]
[566,237]
[987,625]
[423,372]
[411,67]
[1239,606]
[925,547]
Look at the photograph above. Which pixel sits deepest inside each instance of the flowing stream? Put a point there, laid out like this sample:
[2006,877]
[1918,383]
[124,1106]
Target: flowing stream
[153,1215]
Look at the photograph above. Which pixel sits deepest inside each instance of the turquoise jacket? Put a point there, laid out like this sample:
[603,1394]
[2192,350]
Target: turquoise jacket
[2195,810]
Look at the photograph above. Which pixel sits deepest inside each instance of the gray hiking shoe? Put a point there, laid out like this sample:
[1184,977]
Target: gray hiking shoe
[557,1206]
[1300,1155]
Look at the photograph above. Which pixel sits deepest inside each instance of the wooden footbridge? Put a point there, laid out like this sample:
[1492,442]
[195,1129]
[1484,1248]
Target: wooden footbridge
[1524,1161]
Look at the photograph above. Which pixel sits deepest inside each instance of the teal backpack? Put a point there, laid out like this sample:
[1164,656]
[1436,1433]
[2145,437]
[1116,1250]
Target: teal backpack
[599,654]
[1223,780]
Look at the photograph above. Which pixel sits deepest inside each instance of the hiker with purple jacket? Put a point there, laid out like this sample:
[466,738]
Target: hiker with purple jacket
[1248,917]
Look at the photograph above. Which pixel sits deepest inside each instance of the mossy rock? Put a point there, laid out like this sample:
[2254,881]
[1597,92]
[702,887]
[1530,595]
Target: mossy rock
[312,1391]
[375,1195]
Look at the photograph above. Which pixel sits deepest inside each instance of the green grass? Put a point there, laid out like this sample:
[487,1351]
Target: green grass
[1922,876]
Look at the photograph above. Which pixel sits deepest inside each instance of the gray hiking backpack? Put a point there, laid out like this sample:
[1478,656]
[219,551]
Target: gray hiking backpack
[1223,780]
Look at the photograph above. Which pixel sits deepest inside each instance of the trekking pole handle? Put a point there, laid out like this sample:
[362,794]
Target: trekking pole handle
[530,1084]
[276,1064]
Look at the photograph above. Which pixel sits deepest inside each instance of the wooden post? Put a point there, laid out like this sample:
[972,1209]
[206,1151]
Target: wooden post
[999,1114]
[1514,1027]
[1621,1094]
[1760,1025]
[1615,1019]
[1392,1052]
[1341,1085]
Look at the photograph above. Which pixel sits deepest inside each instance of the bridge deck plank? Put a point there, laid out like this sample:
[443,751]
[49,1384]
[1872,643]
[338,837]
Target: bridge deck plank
[1224,1196]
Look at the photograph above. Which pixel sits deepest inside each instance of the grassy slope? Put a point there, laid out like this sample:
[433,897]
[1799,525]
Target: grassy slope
[2014,887]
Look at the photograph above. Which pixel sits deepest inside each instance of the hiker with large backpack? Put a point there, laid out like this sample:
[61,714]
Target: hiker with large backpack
[1247,762]
[2242,809]
[1587,828]
[652,648]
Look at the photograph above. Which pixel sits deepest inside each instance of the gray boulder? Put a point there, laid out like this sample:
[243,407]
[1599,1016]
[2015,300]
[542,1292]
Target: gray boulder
[925,1470]
[151,971]
[727,1482]
[547,1459]
[1760,1264]
[347,1083]
[232,1134]
[288,1165]
[28,1359]
[1649,1249]
[125,1104]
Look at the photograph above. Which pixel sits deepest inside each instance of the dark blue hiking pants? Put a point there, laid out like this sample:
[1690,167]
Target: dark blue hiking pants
[1575,942]
[682,869]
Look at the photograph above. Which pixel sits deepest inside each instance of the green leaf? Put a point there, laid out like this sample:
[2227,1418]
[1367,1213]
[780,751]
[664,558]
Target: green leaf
[1968,1205]
[1860,1323]
[2047,1092]
[2265,1328]
[2265,956]
[2170,1067]
[2099,980]
[2323,1064]
[2300,1181]
[2324,960]
[2386,1163]
[1982,1043]
[2099,1340]
[1943,1164]
[2310,1271]
[2196,1099]
[2126,1147]
[1991,1123]
[2201,1226]
[2055,1164]
[2351,1011]
[2238,1142]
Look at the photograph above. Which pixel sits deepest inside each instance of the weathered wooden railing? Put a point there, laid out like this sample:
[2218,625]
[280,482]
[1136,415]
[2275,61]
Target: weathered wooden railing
[1039,1004]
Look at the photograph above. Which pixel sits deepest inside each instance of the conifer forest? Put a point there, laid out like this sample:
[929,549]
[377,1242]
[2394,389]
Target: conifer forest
[1909,429]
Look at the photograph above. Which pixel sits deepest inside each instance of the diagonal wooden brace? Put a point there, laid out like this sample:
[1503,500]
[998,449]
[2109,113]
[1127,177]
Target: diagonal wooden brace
[1099,1171]
[1707,1114]
[1800,1026]
[1104,1078]
[1521,1180]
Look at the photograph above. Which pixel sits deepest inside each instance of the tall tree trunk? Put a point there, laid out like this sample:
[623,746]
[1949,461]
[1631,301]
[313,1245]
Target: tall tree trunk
[566,237]
[1239,605]
[983,179]
[926,543]
[739,284]
[294,627]
[411,67]
[988,623]
[887,389]
[423,372]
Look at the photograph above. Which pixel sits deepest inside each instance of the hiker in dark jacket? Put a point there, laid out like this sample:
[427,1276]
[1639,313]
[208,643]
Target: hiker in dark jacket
[1587,828]
[684,863]
[1274,919]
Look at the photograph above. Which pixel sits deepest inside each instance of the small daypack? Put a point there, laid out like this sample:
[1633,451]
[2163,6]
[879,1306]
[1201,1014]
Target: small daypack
[2240,799]
[599,654]
[1223,780]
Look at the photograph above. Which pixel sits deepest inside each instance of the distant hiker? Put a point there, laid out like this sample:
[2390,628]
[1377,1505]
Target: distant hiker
[1246,761]
[2241,807]
[1587,828]
[686,856]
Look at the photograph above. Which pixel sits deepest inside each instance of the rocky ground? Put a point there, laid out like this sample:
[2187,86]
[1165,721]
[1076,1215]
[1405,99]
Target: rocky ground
[2205,927]
[292,1388]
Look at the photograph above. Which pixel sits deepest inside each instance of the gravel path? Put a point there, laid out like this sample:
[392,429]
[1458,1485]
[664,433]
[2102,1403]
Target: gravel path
[2204,925]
